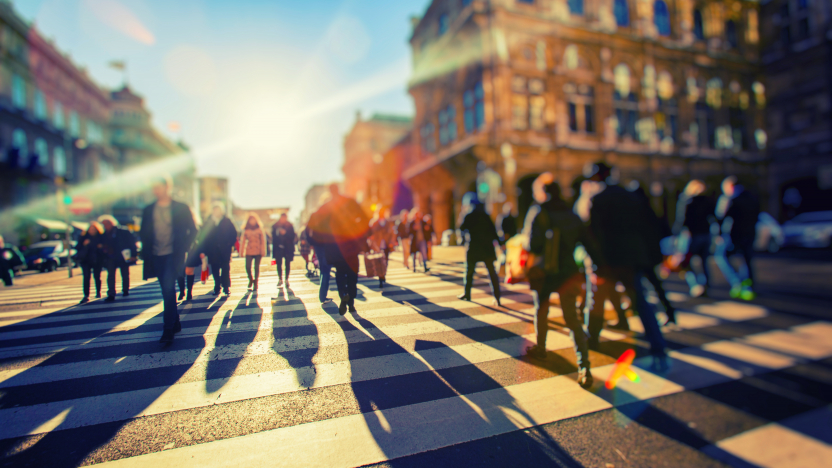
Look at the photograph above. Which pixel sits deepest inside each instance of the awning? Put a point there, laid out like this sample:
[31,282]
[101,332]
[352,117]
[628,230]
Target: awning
[79,225]
[51,224]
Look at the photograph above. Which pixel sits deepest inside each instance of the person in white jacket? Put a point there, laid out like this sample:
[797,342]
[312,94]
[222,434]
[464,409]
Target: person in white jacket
[253,247]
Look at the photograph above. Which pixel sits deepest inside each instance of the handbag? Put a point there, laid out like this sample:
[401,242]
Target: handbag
[375,264]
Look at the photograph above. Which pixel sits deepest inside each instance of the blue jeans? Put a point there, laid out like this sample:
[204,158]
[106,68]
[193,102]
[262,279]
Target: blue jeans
[163,267]
[325,270]
[746,249]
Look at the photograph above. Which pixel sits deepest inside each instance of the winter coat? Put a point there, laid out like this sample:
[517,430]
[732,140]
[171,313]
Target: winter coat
[625,229]
[420,225]
[253,242]
[695,214]
[481,235]
[382,235]
[90,254]
[340,227]
[184,232]
[744,210]
[114,241]
[508,226]
[220,241]
[283,240]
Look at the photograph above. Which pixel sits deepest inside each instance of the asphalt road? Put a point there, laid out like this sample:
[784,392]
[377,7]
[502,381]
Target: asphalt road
[415,378]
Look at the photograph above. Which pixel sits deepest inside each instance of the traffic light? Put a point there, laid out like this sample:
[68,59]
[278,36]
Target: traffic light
[67,200]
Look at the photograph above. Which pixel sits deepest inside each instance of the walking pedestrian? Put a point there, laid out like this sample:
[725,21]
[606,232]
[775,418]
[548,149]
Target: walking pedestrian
[6,273]
[382,237]
[305,249]
[167,232]
[119,250]
[554,232]
[420,235]
[507,223]
[481,239]
[737,211]
[694,216]
[319,240]
[622,228]
[341,227]
[253,247]
[403,231]
[192,260]
[90,257]
[218,245]
[283,247]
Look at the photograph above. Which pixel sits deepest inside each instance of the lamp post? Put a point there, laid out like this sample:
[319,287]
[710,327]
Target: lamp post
[63,201]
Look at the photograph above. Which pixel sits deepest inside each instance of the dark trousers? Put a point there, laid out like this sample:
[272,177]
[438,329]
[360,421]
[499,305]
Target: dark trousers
[650,274]
[325,268]
[92,272]
[568,292]
[5,272]
[632,280]
[163,267]
[281,261]
[471,266]
[112,265]
[346,278]
[222,276]
[256,260]
[700,246]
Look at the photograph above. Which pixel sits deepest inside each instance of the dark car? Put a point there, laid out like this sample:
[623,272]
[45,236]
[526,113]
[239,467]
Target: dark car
[47,256]
[811,230]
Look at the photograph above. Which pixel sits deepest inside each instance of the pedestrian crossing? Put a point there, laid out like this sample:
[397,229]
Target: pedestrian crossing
[257,378]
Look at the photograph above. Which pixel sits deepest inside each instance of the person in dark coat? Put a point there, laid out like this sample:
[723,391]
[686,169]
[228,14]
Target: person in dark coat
[113,243]
[737,212]
[507,223]
[217,247]
[341,227]
[694,215]
[421,234]
[283,247]
[91,258]
[481,238]
[624,231]
[6,273]
[554,232]
[403,232]
[167,232]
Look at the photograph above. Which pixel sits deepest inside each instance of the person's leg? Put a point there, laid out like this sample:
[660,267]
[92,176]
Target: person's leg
[288,264]
[595,323]
[326,269]
[257,259]
[215,272]
[125,277]
[249,259]
[226,277]
[424,248]
[406,252]
[96,272]
[181,282]
[164,271]
[568,295]
[278,259]
[495,280]
[541,294]
[86,270]
[470,267]
[111,279]
[647,314]
[721,259]
[615,298]
[650,274]
[747,251]
[189,279]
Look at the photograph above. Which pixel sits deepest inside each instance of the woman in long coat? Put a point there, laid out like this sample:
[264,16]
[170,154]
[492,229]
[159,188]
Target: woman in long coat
[382,237]
[91,259]
[283,247]
[253,247]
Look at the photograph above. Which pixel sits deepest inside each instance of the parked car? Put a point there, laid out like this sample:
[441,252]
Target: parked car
[47,256]
[812,230]
[769,234]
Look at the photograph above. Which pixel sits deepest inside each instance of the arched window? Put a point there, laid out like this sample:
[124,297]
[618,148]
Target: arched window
[661,17]
[731,33]
[21,145]
[59,161]
[624,102]
[622,13]
[42,151]
[622,79]
[698,28]
[576,7]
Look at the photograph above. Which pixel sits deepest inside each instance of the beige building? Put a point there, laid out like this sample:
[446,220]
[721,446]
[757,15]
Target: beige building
[507,89]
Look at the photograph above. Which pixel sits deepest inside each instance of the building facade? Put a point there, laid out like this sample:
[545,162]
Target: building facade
[312,201]
[369,177]
[797,60]
[506,89]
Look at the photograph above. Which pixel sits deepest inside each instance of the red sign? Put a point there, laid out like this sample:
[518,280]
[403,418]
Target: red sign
[80,206]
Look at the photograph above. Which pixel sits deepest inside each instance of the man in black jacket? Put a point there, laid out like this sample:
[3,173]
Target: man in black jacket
[217,247]
[167,231]
[481,238]
[694,215]
[737,211]
[114,242]
[626,235]
[554,232]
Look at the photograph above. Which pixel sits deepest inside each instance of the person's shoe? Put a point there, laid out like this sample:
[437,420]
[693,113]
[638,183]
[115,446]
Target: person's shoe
[735,292]
[380,284]
[352,309]
[697,291]
[279,282]
[427,269]
[585,379]
[326,301]
[659,364]
[593,344]
[254,288]
[177,328]
[98,295]
[250,283]
[536,352]
[464,297]
[189,297]
[496,303]
[215,292]
[110,299]
[181,296]
[125,294]
[748,295]
[747,283]
[342,308]
[84,301]
[167,337]
[287,282]
[226,293]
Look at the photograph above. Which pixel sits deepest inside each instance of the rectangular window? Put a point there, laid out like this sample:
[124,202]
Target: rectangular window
[519,112]
[41,112]
[478,106]
[444,22]
[59,116]
[468,117]
[589,119]
[447,125]
[428,138]
[18,92]
[573,117]
[74,125]
[537,109]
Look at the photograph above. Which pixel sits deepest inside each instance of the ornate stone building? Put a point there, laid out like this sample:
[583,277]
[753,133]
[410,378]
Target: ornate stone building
[370,177]
[797,59]
[507,89]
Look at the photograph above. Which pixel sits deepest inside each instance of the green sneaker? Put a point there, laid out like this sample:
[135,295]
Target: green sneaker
[748,295]
[747,283]
[736,291]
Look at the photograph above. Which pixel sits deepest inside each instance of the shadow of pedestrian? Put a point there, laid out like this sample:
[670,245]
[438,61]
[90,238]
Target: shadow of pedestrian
[297,341]
[237,331]
[62,416]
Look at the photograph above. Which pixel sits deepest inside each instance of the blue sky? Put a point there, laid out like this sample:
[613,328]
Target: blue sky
[264,90]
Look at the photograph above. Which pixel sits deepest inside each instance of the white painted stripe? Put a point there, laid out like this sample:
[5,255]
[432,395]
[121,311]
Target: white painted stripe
[775,446]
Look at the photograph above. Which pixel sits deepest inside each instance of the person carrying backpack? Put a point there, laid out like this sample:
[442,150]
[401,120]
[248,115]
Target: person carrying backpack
[553,233]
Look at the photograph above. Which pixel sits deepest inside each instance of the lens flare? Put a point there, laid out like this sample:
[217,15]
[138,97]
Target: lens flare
[622,369]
